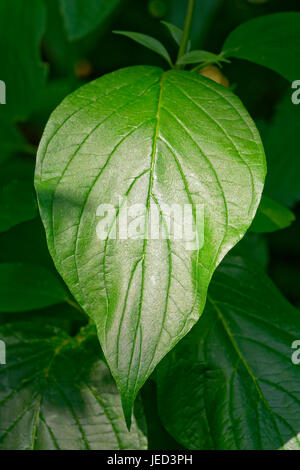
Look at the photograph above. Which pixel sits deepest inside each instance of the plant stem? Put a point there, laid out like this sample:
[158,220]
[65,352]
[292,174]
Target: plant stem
[186,30]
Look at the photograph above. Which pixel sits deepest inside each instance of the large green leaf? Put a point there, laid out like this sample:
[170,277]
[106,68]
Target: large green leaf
[56,393]
[82,16]
[283,154]
[21,66]
[27,287]
[231,383]
[157,138]
[272,41]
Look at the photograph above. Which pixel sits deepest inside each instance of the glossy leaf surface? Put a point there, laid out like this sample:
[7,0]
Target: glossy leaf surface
[158,138]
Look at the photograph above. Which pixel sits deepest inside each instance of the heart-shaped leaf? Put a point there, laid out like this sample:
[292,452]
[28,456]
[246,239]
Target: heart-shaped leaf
[232,384]
[57,393]
[158,139]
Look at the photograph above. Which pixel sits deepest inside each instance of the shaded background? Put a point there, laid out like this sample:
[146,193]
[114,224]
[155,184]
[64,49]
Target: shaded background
[46,53]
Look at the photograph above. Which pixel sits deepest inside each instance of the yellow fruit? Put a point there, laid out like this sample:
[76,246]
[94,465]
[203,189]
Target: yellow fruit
[215,74]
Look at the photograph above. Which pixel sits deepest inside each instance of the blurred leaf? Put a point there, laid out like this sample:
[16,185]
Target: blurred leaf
[194,57]
[20,167]
[157,8]
[231,384]
[149,42]
[61,53]
[271,216]
[27,287]
[17,204]
[254,246]
[51,96]
[83,16]
[258,2]
[203,16]
[158,437]
[272,41]
[57,393]
[21,29]
[63,316]
[11,140]
[283,153]
[175,32]
[26,242]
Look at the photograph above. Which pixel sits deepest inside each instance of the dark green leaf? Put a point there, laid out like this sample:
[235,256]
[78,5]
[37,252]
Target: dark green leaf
[231,384]
[194,57]
[83,16]
[63,316]
[158,438]
[283,153]
[149,42]
[205,11]
[27,287]
[11,140]
[56,393]
[176,33]
[158,138]
[272,41]
[271,216]
[21,66]
[17,204]
[26,243]
[254,246]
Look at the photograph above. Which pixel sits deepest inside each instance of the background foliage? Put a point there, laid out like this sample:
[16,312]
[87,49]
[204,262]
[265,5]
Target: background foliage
[48,49]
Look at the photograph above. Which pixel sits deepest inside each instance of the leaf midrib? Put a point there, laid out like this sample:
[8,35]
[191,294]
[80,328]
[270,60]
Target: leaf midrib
[152,165]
